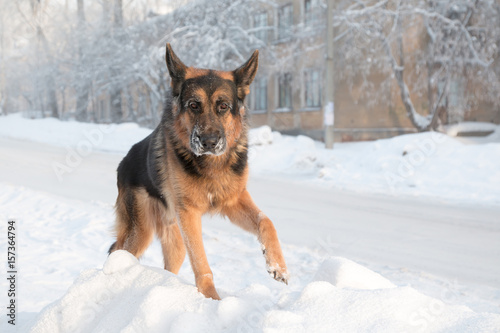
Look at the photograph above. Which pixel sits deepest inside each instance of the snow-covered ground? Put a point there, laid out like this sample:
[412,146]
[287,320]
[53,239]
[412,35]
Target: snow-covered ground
[420,210]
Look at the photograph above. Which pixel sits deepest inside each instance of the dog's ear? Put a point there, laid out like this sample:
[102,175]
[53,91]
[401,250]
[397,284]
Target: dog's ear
[176,69]
[244,75]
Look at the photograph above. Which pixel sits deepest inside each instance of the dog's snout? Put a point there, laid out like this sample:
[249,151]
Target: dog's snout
[209,141]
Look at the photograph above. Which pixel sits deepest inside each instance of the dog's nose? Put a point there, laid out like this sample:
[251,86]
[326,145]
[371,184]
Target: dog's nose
[209,141]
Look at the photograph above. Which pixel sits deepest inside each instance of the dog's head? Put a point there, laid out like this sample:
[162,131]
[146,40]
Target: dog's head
[210,104]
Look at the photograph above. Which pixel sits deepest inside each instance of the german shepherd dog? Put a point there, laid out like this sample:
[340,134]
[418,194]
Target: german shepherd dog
[193,163]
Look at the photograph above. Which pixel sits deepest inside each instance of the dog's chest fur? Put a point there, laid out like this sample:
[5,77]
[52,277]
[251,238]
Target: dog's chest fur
[212,186]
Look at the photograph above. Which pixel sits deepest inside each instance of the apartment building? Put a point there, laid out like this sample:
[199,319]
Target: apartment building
[289,95]
[290,98]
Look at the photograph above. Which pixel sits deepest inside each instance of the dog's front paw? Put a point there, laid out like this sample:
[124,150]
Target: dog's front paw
[278,273]
[210,292]
[275,263]
[206,286]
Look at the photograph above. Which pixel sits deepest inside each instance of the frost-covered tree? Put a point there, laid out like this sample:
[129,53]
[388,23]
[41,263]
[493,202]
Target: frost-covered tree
[82,83]
[32,67]
[214,34]
[87,53]
[428,48]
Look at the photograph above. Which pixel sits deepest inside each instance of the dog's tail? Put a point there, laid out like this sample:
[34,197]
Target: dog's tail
[112,248]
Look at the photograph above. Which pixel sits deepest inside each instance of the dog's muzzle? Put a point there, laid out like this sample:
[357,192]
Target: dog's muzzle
[207,144]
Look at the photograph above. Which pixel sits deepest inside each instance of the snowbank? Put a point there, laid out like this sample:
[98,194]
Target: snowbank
[419,165]
[344,273]
[467,127]
[126,296]
[85,137]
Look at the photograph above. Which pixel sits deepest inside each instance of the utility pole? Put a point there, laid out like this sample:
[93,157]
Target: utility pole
[329,96]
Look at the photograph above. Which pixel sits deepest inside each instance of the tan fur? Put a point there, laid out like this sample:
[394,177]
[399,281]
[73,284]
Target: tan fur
[202,96]
[135,241]
[225,75]
[220,92]
[192,72]
[243,91]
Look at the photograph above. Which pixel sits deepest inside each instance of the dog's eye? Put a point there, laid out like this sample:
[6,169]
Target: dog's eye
[223,107]
[193,106]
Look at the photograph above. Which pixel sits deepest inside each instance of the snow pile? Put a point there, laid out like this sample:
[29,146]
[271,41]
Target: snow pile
[344,273]
[260,136]
[424,164]
[81,137]
[129,297]
[470,127]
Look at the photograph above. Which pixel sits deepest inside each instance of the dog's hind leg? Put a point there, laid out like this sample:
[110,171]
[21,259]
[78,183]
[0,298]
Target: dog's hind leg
[134,224]
[172,246]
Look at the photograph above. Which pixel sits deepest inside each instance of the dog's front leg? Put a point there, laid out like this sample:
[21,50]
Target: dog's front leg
[190,224]
[248,216]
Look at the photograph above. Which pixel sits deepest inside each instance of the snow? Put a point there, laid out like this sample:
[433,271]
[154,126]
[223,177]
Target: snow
[363,256]
[470,126]
[83,138]
[344,273]
[126,296]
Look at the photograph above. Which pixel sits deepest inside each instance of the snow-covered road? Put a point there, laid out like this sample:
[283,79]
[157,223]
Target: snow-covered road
[458,243]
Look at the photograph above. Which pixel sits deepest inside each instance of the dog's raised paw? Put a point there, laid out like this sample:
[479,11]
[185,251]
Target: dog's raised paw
[279,274]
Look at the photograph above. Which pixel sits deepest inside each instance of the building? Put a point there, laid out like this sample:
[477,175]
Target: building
[290,99]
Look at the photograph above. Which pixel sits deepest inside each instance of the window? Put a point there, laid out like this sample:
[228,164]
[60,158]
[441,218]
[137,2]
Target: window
[260,26]
[285,91]
[312,12]
[259,94]
[312,81]
[285,21]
